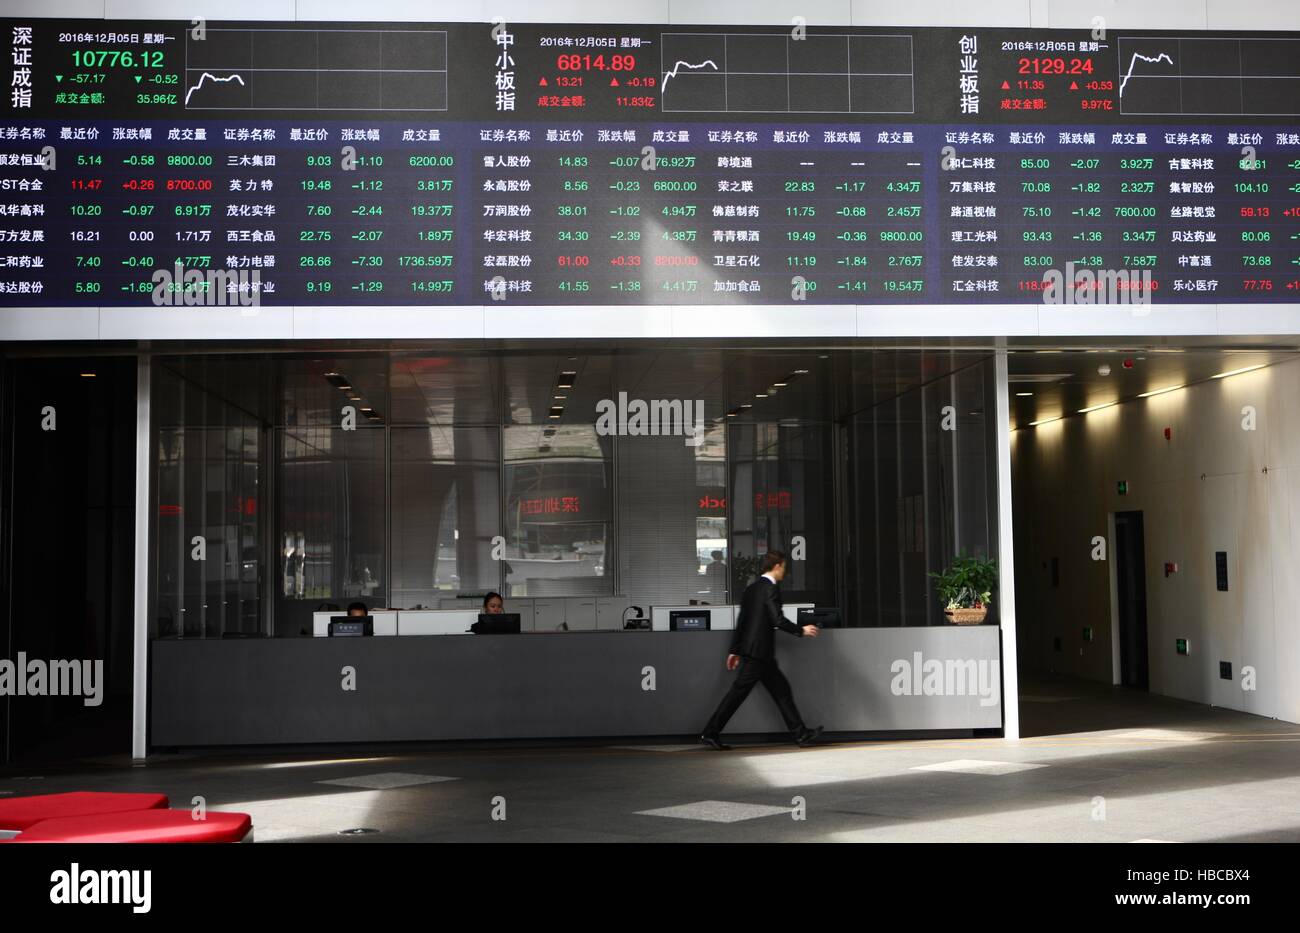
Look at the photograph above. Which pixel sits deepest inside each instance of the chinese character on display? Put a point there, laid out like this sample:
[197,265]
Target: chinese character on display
[505,76]
[21,80]
[968,77]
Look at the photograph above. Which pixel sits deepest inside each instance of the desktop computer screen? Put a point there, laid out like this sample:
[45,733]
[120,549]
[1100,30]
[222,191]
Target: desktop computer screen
[351,626]
[496,623]
[689,620]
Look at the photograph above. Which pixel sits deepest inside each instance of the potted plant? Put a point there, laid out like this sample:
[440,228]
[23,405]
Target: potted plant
[966,588]
[744,570]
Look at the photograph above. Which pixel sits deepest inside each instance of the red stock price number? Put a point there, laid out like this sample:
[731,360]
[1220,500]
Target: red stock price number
[598,62]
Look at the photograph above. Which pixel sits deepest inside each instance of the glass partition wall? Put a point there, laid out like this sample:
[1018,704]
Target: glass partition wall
[209,556]
[291,483]
[920,486]
[558,511]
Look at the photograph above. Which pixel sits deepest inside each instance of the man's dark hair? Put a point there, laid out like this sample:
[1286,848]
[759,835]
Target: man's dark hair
[772,560]
[491,596]
[352,607]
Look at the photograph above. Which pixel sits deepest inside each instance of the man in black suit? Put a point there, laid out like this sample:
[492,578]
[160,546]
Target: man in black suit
[753,650]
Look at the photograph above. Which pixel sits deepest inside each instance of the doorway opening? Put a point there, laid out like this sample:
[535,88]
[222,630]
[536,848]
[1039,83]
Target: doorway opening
[1131,599]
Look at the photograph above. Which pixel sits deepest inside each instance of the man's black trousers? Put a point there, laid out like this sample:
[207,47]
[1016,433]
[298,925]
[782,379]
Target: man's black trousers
[753,671]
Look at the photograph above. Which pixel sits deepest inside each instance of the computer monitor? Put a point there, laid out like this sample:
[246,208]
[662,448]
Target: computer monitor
[351,626]
[689,620]
[496,623]
[822,617]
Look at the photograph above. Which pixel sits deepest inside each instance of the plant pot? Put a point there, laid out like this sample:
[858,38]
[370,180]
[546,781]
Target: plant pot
[966,616]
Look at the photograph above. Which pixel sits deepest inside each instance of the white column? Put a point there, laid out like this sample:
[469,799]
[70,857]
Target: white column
[140,651]
[1006,553]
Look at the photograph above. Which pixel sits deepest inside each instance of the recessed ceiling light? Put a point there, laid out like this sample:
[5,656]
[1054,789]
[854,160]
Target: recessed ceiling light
[87,375]
[1023,394]
[1039,377]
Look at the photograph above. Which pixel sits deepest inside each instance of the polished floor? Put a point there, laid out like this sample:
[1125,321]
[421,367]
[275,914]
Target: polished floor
[1098,764]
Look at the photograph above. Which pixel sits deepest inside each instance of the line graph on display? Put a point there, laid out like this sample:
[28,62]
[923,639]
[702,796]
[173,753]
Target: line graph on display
[1138,56]
[680,65]
[204,77]
[1209,76]
[304,70]
[751,72]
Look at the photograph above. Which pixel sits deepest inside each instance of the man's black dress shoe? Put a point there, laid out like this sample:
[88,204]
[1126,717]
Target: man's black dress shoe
[713,742]
[809,736]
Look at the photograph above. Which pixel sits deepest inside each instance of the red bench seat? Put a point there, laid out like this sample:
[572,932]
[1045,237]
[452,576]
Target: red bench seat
[19,813]
[142,826]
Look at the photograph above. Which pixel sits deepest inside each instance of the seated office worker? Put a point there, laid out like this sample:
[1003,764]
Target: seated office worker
[753,651]
[358,609]
[493,604]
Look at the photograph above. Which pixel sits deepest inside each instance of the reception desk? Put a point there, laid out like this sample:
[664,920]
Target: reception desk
[537,615]
[455,616]
[560,685]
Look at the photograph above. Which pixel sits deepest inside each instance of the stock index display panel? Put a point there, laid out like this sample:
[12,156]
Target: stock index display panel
[431,164]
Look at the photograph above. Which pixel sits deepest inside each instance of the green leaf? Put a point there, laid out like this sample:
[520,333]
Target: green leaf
[966,581]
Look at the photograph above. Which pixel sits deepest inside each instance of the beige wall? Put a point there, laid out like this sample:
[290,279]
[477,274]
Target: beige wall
[1205,490]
